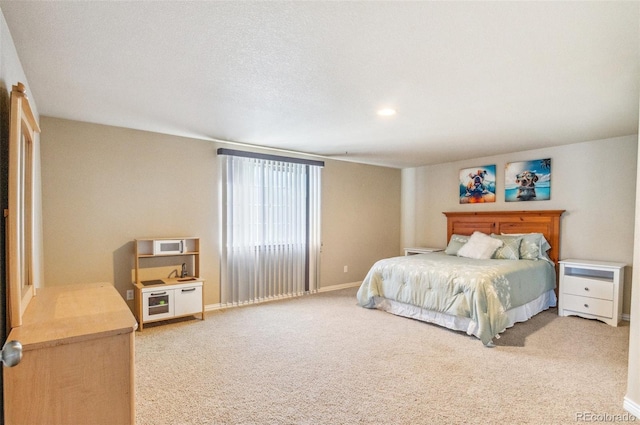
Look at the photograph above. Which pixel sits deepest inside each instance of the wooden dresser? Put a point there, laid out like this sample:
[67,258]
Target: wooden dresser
[78,359]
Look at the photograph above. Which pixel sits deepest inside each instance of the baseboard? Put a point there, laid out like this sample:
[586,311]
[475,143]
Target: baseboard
[626,317]
[212,307]
[218,306]
[340,286]
[631,407]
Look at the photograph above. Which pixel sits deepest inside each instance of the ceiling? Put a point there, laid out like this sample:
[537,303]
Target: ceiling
[467,79]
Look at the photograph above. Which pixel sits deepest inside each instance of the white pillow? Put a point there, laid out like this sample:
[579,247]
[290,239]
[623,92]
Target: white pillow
[480,246]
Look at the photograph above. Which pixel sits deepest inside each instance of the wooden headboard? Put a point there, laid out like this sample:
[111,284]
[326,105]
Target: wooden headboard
[545,222]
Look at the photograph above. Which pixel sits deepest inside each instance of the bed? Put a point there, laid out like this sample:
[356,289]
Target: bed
[480,296]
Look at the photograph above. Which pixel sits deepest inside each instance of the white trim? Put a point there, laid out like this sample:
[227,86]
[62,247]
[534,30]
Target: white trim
[339,286]
[218,306]
[631,407]
[212,307]
[626,317]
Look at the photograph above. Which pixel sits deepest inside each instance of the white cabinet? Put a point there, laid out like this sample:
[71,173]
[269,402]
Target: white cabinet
[162,297]
[166,301]
[188,299]
[591,289]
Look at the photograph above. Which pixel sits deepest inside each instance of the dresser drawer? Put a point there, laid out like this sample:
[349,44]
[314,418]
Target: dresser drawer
[594,306]
[588,287]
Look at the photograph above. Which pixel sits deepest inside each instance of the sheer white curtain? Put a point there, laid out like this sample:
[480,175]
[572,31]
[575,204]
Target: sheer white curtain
[270,227]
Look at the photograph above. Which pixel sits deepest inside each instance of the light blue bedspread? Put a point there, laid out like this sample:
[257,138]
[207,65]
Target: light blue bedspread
[481,290]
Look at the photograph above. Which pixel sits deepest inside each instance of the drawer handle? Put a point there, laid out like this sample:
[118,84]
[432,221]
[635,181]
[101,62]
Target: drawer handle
[586,305]
[158,293]
[189,290]
[586,289]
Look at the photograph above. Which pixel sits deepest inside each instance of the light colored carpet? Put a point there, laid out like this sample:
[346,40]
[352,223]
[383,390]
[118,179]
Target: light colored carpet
[321,359]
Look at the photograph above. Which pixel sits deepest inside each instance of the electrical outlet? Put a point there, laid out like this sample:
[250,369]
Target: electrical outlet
[129,294]
[346,269]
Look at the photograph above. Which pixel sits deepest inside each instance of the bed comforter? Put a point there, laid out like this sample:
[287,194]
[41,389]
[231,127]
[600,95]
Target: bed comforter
[480,290]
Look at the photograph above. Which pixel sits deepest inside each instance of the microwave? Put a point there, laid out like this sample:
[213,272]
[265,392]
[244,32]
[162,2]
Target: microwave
[169,246]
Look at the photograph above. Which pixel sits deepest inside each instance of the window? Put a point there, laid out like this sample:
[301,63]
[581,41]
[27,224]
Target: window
[270,226]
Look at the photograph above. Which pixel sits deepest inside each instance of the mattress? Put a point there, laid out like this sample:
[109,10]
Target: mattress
[480,297]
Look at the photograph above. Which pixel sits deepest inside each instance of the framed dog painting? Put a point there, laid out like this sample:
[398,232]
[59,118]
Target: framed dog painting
[478,184]
[527,180]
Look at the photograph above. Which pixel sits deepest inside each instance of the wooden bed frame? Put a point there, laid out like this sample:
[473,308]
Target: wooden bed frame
[546,222]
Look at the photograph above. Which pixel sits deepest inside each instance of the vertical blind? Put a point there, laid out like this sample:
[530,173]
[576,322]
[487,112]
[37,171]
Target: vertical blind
[270,227]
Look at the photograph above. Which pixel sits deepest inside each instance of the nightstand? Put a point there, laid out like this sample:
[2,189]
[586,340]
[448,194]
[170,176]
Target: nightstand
[421,250]
[591,289]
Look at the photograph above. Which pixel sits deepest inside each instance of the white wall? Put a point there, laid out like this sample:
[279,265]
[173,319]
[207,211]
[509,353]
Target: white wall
[595,182]
[632,398]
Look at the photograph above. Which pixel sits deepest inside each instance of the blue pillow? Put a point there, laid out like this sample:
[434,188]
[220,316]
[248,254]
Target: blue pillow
[455,243]
[534,246]
[510,249]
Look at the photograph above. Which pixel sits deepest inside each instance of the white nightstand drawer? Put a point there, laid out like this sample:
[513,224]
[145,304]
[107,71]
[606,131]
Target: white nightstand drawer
[602,308]
[587,287]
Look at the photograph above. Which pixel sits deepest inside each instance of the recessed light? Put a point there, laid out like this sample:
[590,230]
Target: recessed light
[386,112]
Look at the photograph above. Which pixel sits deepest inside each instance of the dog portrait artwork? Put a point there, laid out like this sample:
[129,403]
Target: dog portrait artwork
[527,185]
[478,184]
[528,180]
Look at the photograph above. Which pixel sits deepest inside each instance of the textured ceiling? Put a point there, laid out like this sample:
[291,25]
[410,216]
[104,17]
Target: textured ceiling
[468,79]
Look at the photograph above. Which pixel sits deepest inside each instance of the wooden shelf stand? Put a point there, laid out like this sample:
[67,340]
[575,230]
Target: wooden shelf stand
[173,296]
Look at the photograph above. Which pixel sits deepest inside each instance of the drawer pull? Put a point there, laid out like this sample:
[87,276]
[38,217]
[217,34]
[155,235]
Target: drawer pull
[586,289]
[189,290]
[158,293]
[586,305]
